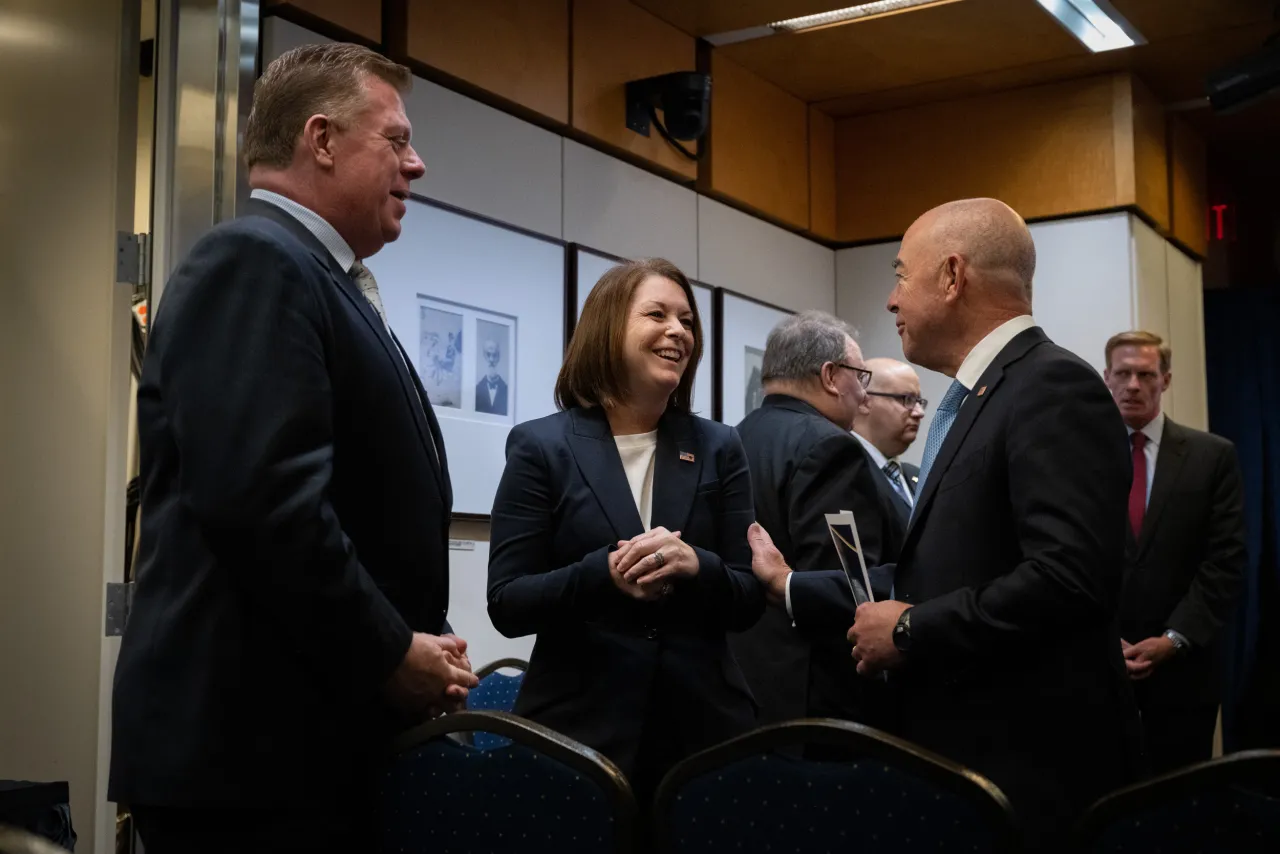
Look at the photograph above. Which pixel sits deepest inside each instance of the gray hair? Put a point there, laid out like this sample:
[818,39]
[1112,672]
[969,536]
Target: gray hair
[799,346]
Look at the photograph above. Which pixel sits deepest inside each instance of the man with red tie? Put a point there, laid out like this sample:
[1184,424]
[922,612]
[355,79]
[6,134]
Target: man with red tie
[1184,561]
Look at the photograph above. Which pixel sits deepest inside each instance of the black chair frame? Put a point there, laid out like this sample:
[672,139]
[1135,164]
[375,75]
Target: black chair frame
[1258,769]
[985,796]
[550,743]
[495,666]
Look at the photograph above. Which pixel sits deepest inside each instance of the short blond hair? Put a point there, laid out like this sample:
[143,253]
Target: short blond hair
[1141,338]
[314,79]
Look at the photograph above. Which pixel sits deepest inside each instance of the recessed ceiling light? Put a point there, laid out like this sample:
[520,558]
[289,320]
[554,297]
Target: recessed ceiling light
[860,12]
[853,13]
[1095,23]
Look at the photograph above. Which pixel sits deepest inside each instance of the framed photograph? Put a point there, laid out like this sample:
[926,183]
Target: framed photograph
[591,264]
[464,360]
[745,327]
[480,308]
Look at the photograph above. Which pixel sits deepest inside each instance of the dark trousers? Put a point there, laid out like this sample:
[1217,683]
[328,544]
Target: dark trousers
[1177,736]
[177,830]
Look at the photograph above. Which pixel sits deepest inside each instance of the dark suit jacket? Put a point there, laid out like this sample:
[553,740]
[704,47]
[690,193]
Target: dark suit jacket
[1186,569]
[802,467]
[295,525]
[1013,563]
[606,668]
[499,405]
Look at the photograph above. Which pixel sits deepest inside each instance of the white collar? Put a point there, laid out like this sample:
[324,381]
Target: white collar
[1153,429]
[880,459]
[984,353]
[314,223]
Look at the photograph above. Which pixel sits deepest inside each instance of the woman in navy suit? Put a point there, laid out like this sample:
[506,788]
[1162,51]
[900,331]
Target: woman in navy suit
[620,539]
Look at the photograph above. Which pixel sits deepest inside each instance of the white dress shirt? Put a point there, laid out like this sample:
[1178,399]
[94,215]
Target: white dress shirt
[1154,431]
[314,223]
[984,353]
[881,461]
[637,452]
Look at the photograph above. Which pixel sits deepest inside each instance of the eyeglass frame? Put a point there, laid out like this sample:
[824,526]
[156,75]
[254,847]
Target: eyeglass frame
[903,399]
[863,375]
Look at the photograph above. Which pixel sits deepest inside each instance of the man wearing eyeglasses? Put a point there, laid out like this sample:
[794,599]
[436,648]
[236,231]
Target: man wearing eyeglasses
[887,426]
[805,463]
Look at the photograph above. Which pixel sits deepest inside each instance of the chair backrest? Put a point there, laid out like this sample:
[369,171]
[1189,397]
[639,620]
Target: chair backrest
[14,841]
[496,693]
[1228,804]
[761,792]
[541,792]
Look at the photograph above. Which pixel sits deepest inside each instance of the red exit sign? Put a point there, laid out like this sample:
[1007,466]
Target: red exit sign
[1221,222]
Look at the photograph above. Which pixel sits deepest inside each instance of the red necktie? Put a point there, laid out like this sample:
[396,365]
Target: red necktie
[1138,489]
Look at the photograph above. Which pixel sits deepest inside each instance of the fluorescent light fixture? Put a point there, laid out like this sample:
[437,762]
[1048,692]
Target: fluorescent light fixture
[853,13]
[1095,23]
[861,12]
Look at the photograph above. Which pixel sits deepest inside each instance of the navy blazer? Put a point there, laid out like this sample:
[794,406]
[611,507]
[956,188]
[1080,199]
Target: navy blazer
[606,668]
[1013,561]
[295,525]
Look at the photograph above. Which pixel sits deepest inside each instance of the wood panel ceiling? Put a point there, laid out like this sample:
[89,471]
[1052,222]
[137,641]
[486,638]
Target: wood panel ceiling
[978,46]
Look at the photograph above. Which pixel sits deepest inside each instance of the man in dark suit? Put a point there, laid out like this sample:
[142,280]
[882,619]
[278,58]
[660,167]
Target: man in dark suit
[491,391]
[1186,557]
[805,463]
[289,613]
[886,426]
[1001,639]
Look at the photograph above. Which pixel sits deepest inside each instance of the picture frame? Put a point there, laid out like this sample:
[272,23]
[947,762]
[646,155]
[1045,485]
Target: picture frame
[745,324]
[479,307]
[586,268]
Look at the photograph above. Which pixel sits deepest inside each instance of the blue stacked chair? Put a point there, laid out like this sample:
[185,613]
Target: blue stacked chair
[761,793]
[538,792]
[496,693]
[1230,804]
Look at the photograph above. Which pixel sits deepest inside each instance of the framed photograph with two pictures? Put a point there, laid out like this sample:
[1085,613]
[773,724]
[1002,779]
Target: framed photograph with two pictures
[745,327]
[480,309]
[590,264]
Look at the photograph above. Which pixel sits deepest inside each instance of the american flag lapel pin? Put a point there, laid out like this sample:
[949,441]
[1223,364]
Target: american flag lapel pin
[982,391]
[686,457]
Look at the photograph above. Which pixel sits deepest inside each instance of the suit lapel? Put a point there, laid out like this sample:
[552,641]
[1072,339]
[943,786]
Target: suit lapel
[675,479]
[601,466]
[977,400]
[1170,457]
[399,360]
[424,412]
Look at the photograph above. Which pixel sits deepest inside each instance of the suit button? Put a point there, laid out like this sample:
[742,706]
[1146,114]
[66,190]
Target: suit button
[906,597]
[651,633]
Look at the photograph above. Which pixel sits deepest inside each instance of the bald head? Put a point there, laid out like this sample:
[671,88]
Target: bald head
[963,269]
[989,235]
[890,418]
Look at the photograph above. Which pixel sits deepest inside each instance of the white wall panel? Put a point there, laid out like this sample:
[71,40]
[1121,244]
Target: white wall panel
[1190,404]
[617,208]
[754,258]
[483,160]
[279,37]
[1083,285]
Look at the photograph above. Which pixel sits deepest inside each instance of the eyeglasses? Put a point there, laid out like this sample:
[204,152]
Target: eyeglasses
[864,376]
[908,401]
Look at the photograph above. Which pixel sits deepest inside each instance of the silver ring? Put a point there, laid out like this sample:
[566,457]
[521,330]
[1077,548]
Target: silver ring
[659,559]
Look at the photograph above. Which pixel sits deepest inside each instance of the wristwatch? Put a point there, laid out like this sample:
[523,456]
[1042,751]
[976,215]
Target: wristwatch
[902,632]
[1179,642]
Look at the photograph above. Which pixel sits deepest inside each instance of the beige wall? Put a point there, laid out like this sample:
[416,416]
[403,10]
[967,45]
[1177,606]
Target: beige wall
[66,185]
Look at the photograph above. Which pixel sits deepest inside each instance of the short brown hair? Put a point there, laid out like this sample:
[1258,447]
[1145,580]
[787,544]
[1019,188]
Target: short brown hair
[592,372]
[315,79]
[1141,338]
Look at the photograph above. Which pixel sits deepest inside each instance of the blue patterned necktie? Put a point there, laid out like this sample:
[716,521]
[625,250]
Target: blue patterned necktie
[942,421]
[893,471]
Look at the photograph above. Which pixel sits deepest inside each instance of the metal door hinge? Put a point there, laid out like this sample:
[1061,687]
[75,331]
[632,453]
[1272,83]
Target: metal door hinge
[133,259]
[119,601]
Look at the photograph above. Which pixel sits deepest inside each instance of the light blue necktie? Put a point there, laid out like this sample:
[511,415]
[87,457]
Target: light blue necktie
[946,414]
